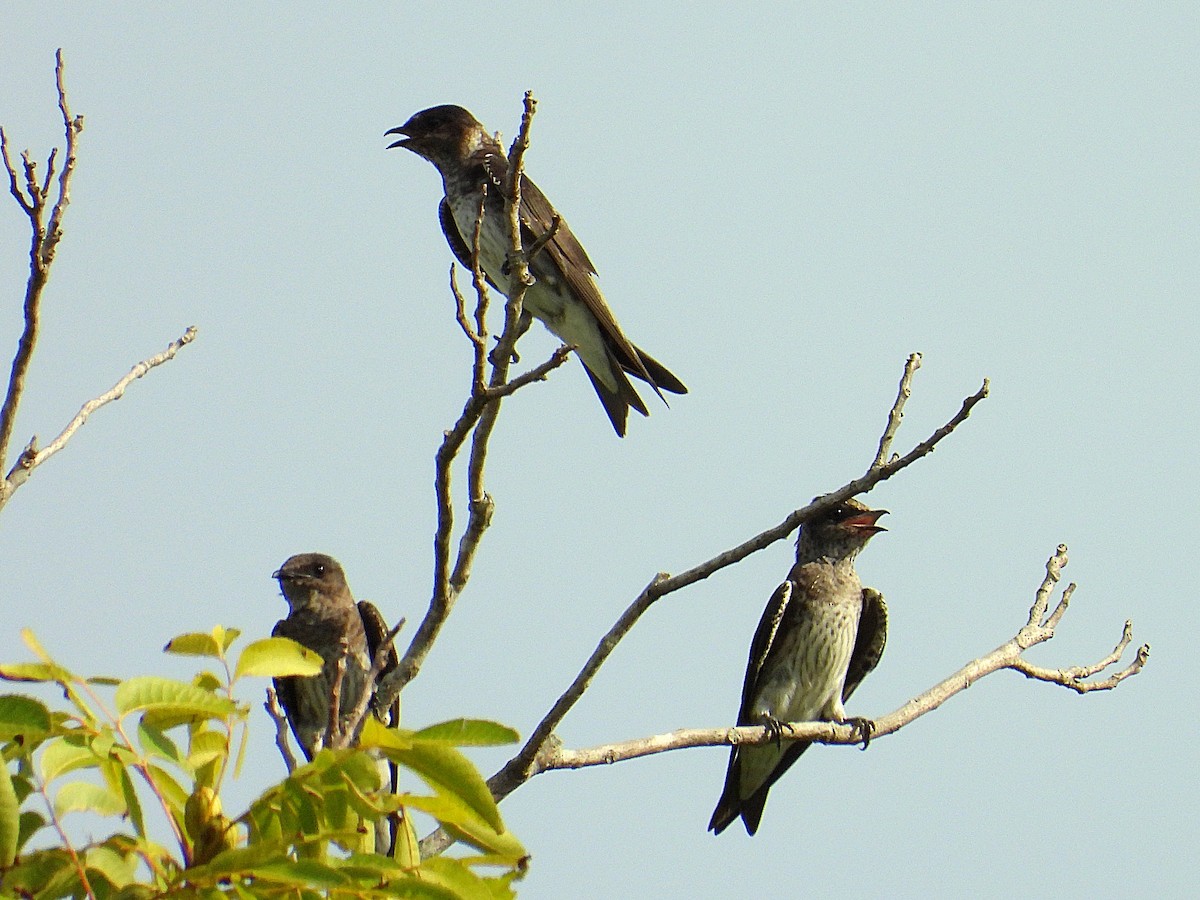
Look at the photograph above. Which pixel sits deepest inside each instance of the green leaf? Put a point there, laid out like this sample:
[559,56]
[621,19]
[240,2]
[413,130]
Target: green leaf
[167,696]
[34,644]
[470,733]
[239,860]
[79,796]
[194,644]
[207,747]
[65,755]
[301,873]
[21,715]
[277,657]
[225,636]
[376,735]
[120,870]
[452,874]
[31,823]
[447,770]
[155,743]
[482,837]
[169,788]
[132,803]
[46,873]
[32,672]
[467,826]
[10,818]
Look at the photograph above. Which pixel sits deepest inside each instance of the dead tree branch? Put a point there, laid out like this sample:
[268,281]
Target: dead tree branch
[38,201]
[31,457]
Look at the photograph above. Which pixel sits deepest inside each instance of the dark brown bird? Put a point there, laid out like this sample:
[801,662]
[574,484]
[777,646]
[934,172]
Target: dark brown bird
[323,613]
[819,636]
[565,296]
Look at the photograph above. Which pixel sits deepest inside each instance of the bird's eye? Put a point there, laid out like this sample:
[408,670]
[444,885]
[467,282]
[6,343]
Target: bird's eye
[319,569]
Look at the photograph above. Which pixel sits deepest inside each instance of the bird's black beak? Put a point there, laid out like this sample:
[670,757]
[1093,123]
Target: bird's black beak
[277,574]
[866,521]
[403,142]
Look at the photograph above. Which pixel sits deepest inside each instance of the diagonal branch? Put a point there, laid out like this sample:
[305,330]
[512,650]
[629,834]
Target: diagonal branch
[31,457]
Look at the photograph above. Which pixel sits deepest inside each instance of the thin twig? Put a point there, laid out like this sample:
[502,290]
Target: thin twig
[335,736]
[537,373]
[896,414]
[44,239]
[368,696]
[30,458]
[281,729]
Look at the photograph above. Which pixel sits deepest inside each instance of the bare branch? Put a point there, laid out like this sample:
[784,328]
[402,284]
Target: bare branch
[382,652]
[44,239]
[335,736]
[538,373]
[31,457]
[896,415]
[1073,677]
[281,729]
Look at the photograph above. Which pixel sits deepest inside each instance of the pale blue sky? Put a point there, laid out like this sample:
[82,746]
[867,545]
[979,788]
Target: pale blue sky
[782,206]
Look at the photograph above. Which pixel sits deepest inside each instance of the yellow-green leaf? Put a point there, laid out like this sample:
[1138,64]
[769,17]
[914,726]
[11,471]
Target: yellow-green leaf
[225,636]
[167,696]
[119,870]
[194,644]
[451,873]
[32,672]
[155,743]
[470,733]
[499,843]
[377,735]
[31,823]
[63,755]
[445,769]
[20,715]
[10,818]
[79,796]
[277,657]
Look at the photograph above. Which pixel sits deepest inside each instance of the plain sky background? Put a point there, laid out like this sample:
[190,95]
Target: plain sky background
[783,203]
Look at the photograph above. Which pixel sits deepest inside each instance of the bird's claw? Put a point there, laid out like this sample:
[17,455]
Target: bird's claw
[776,729]
[863,729]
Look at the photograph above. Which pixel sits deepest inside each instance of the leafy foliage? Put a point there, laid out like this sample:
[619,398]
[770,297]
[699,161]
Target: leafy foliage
[160,749]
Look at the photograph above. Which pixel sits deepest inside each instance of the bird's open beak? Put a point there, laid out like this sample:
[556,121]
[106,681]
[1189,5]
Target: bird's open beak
[403,142]
[866,521]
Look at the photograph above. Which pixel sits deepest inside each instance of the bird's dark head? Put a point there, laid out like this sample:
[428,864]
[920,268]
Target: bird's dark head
[839,532]
[306,575]
[444,135]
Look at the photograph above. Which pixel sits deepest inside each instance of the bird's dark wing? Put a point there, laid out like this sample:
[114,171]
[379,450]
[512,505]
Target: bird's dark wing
[760,647]
[459,245]
[376,629]
[287,690]
[573,266]
[868,645]
[731,803]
